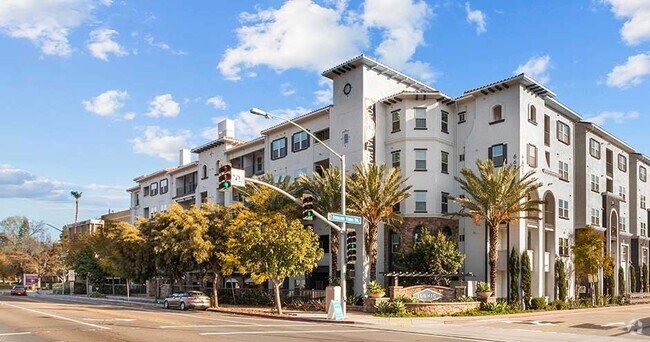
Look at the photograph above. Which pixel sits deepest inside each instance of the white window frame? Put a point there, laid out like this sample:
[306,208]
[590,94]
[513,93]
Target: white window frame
[444,162]
[395,158]
[420,118]
[642,201]
[622,163]
[644,229]
[594,148]
[420,159]
[622,192]
[563,170]
[595,183]
[531,155]
[420,197]
[595,217]
[444,121]
[563,133]
[396,123]
[299,141]
[643,174]
[622,224]
[276,150]
[563,209]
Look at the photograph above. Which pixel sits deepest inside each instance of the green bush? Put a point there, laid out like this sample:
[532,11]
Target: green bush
[515,268]
[633,287]
[561,280]
[621,282]
[482,287]
[465,299]
[559,305]
[498,307]
[404,299]
[96,294]
[526,279]
[391,308]
[355,300]
[375,287]
[538,303]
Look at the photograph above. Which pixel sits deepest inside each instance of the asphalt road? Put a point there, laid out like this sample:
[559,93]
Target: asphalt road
[55,318]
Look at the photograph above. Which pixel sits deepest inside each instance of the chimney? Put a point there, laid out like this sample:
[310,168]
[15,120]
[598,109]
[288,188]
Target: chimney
[185,157]
[226,129]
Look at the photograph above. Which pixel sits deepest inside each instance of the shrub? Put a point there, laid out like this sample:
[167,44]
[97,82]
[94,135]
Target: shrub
[482,287]
[515,267]
[559,305]
[391,308]
[633,287]
[404,299]
[498,307]
[538,303]
[96,294]
[375,287]
[465,299]
[560,279]
[526,279]
[355,300]
[644,277]
[621,281]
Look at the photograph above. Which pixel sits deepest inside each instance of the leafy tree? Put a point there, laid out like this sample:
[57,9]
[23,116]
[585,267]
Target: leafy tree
[221,258]
[272,248]
[515,267]
[561,280]
[526,279]
[434,253]
[326,189]
[373,191]
[644,278]
[263,199]
[496,196]
[588,256]
[76,195]
[621,282]
[83,258]
[633,285]
[132,254]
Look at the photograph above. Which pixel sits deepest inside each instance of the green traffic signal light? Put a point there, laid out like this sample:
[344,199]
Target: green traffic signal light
[226,184]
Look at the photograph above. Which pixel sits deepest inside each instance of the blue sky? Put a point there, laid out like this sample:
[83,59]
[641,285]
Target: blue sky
[97,92]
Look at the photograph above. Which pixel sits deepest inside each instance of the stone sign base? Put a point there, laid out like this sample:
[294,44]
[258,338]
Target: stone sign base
[369,303]
[441,308]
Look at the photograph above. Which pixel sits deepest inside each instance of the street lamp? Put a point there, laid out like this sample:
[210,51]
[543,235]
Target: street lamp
[343,230]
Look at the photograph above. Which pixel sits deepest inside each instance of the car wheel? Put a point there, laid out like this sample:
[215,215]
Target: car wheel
[182,306]
[166,305]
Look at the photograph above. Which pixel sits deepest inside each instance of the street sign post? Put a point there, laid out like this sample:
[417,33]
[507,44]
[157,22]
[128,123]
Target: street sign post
[334,217]
[238,177]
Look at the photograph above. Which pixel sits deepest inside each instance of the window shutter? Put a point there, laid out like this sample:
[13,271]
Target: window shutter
[505,154]
[490,153]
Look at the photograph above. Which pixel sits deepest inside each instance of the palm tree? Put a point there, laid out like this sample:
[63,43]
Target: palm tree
[496,196]
[77,196]
[373,191]
[326,188]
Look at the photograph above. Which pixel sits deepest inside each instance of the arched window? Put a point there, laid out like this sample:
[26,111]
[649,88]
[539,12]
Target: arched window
[205,171]
[532,114]
[497,113]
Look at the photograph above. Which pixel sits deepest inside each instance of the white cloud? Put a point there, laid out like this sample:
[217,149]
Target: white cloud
[106,103]
[217,102]
[631,73]
[161,143]
[324,96]
[129,116]
[163,105]
[164,46]
[287,89]
[403,23]
[101,44]
[300,34]
[536,67]
[617,117]
[47,23]
[248,126]
[477,18]
[637,15]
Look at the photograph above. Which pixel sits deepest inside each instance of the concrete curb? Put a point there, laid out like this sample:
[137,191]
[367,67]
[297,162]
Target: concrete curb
[286,318]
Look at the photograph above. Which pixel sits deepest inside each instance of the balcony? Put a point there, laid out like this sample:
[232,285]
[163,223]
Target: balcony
[325,260]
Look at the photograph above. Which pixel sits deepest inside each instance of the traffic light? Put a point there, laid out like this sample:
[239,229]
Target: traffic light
[352,246]
[225,175]
[307,206]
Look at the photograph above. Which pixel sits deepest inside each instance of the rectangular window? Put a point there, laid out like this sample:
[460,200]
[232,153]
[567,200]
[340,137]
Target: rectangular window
[395,158]
[420,118]
[323,135]
[324,243]
[621,192]
[563,132]
[259,164]
[563,207]
[532,155]
[643,174]
[623,224]
[643,202]
[146,213]
[444,121]
[564,247]
[420,160]
[164,186]
[396,121]
[594,148]
[595,183]
[279,148]
[461,157]
[153,189]
[622,163]
[498,154]
[145,191]
[420,201]
[461,117]
[644,255]
[547,130]
[444,202]
[644,229]
[299,141]
[563,170]
[444,162]
[595,217]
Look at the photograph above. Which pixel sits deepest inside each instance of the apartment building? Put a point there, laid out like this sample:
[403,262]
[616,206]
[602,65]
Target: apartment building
[379,115]
[84,227]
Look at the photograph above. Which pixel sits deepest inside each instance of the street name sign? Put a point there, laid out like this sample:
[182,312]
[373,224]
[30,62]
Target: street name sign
[334,217]
[238,177]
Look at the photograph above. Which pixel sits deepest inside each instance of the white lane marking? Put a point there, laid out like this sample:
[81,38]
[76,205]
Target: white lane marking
[541,323]
[110,319]
[229,326]
[613,324]
[289,332]
[14,334]
[57,316]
